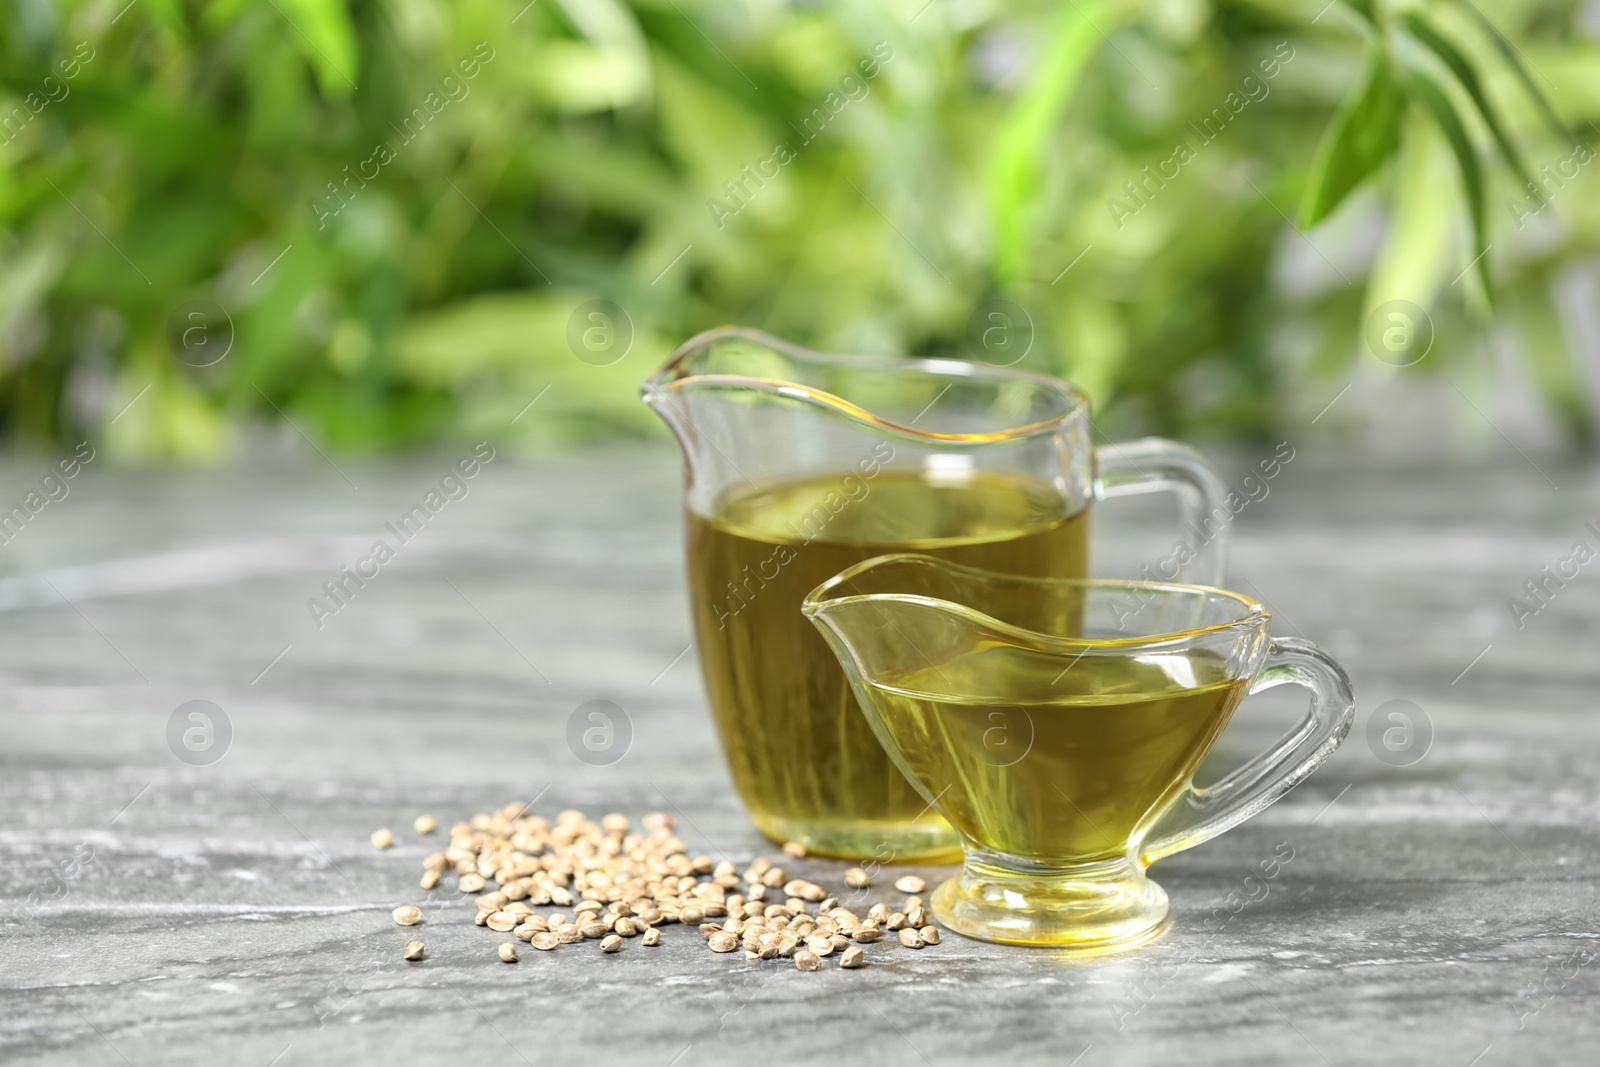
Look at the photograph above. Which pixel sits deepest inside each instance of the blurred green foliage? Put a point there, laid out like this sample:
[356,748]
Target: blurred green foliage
[400,204]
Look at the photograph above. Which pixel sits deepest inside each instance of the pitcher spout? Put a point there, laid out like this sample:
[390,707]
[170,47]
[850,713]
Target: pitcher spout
[746,406]
[888,394]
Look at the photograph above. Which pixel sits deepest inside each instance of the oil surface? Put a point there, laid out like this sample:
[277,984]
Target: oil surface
[1062,766]
[802,755]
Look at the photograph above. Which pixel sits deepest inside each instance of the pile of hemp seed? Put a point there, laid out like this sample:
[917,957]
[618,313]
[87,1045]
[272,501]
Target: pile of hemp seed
[612,882]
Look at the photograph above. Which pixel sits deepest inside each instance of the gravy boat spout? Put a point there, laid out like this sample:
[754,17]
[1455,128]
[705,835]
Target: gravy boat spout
[906,611]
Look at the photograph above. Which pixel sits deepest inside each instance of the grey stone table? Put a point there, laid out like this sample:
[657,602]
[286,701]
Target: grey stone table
[1439,906]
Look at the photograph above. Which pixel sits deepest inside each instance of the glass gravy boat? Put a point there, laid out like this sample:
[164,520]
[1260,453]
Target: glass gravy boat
[1058,723]
[799,464]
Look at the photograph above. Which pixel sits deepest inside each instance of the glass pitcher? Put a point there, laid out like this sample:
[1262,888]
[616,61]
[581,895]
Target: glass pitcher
[799,464]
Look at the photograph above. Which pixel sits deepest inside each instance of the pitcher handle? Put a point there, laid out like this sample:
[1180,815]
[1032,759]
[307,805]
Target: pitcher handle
[1155,465]
[1256,785]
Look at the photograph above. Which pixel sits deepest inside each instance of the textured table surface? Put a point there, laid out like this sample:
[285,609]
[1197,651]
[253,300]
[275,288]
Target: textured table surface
[158,912]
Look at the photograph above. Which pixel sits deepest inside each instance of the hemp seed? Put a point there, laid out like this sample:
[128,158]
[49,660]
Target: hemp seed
[382,839]
[619,879]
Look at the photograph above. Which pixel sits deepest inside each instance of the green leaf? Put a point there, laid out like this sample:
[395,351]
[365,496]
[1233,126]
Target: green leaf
[1513,59]
[168,14]
[1413,263]
[1363,134]
[1462,69]
[1363,8]
[1025,135]
[712,133]
[324,35]
[1095,341]
[1427,92]
[1544,342]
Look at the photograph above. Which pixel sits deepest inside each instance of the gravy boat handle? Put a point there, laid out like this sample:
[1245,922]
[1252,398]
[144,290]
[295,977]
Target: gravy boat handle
[1204,813]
